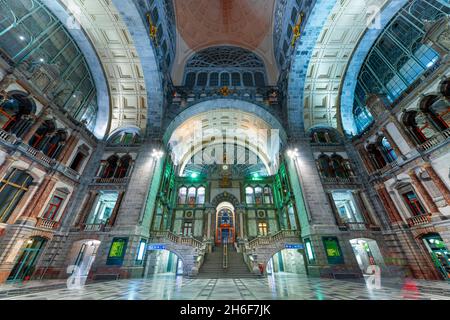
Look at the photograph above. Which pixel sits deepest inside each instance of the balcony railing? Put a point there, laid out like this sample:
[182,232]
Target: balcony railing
[100,180]
[435,140]
[47,224]
[94,227]
[270,239]
[183,240]
[356,226]
[337,180]
[419,220]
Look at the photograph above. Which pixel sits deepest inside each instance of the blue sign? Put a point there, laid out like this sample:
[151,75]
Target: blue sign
[294,246]
[156,246]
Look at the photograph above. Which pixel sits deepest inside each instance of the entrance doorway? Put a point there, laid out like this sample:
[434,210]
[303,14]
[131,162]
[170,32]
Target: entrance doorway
[25,264]
[86,251]
[287,261]
[225,224]
[366,253]
[163,262]
[439,253]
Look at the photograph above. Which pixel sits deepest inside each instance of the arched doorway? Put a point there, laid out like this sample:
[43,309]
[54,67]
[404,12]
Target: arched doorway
[225,223]
[439,253]
[82,258]
[163,262]
[367,253]
[25,264]
[286,261]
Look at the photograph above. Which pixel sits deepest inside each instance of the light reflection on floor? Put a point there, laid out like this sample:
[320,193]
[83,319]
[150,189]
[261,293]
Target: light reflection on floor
[281,286]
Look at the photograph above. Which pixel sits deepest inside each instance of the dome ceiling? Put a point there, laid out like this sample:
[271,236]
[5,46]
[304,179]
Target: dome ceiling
[207,23]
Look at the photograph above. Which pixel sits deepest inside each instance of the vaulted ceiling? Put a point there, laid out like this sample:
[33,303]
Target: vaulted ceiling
[207,23]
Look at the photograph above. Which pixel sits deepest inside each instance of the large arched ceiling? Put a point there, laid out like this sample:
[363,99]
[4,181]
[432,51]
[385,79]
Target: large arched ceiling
[207,23]
[315,81]
[110,36]
[224,125]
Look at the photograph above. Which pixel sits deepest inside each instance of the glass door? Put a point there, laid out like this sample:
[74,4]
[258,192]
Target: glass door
[439,254]
[24,267]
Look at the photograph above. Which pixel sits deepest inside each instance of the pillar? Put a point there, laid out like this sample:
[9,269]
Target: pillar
[405,135]
[69,147]
[36,125]
[363,208]
[437,181]
[367,162]
[39,199]
[394,215]
[422,191]
[7,81]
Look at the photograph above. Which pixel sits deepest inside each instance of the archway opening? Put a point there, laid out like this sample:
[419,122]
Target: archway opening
[25,264]
[225,223]
[439,253]
[367,253]
[163,262]
[287,261]
[82,258]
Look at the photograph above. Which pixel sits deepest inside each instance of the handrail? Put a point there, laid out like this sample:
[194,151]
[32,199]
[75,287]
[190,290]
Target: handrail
[273,238]
[177,239]
[225,255]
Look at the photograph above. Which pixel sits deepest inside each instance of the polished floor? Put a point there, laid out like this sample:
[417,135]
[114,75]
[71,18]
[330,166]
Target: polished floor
[282,286]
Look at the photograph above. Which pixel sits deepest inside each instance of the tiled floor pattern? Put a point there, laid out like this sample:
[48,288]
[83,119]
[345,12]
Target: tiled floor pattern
[279,287]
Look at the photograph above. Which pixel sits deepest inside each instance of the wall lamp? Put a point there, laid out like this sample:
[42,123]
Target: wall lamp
[292,153]
[157,154]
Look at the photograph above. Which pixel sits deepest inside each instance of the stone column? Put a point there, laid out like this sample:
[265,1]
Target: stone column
[394,215]
[391,141]
[367,162]
[36,125]
[422,191]
[362,207]
[241,224]
[208,231]
[401,128]
[39,199]
[437,181]
[69,147]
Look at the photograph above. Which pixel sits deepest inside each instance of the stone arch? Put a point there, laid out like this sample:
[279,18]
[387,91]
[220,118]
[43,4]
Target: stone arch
[225,197]
[224,103]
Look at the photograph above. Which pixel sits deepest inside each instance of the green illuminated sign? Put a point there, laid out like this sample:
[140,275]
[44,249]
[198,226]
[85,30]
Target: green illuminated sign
[117,251]
[333,250]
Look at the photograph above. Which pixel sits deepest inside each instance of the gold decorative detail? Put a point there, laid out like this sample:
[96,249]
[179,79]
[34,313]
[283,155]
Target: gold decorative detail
[225,91]
[296,29]
[153,29]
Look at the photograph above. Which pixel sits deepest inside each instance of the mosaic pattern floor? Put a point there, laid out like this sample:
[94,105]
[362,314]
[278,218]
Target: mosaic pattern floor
[279,287]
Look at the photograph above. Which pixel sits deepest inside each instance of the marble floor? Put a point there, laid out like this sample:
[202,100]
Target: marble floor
[284,286]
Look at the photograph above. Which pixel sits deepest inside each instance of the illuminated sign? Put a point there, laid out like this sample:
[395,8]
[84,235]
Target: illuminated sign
[156,246]
[117,251]
[293,246]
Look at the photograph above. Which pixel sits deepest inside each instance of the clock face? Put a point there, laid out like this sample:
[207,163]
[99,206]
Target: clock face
[225,167]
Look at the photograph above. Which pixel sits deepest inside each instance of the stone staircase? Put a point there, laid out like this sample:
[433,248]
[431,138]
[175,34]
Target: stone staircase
[212,267]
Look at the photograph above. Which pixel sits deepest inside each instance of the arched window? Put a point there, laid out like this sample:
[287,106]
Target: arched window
[434,109]
[14,114]
[248,79]
[41,135]
[258,195]
[53,145]
[224,79]
[338,166]
[445,88]
[268,195]
[124,165]
[413,203]
[202,79]
[376,156]
[192,195]
[201,195]
[12,189]
[182,193]
[190,80]
[111,166]
[418,126]
[249,195]
[387,149]
[236,79]
[214,79]
[325,168]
